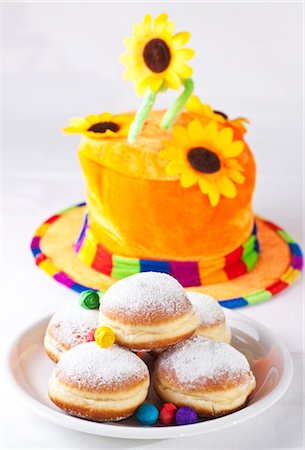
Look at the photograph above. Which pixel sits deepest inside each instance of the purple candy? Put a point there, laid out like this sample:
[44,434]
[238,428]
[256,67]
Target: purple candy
[186,415]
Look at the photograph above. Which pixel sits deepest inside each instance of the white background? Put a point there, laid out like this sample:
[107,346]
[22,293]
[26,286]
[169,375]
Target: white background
[60,60]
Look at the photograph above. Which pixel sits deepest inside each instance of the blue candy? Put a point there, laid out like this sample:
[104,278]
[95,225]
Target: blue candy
[147,414]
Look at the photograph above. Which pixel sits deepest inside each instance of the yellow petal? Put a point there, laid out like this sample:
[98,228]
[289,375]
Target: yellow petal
[129,42]
[131,73]
[173,81]
[169,27]
[194,105]
[185,54]
[184,71]
[226,187]
[174,168]
[223,138]
[154,82]
[210,131]
[180,39]
[233,164]
[180,135]
[188,178]
[235,175]
[160,21]
[169,153]
[210,188]
[232,150]
[147,19]
[195,130]
[76,122]
[126,58]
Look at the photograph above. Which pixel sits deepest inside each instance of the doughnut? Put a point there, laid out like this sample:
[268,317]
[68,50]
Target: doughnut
[100,384]
[67,328]
[148,310]
[211,377]
[212,320]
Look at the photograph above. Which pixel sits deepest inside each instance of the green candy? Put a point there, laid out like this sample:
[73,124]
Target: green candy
[89,300]
[172,113]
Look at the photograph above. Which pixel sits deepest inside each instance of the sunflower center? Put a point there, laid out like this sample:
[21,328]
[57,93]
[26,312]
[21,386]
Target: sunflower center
[221,114]
[156,55]
[203,160]
[102,127]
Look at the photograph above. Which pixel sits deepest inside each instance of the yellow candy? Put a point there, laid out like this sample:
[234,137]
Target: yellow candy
[104,337]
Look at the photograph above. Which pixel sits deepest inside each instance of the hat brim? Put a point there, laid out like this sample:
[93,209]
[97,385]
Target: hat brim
[279,264]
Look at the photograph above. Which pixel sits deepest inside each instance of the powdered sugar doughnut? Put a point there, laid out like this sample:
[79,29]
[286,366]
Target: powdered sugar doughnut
[212,320]
[211,377]
[67,328]
[101,384]
[148,310]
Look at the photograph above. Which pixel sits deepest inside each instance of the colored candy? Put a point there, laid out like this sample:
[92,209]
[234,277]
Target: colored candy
[90,335]
[186,415]
[89,300]
[104,337]
[167,413]
[147,414]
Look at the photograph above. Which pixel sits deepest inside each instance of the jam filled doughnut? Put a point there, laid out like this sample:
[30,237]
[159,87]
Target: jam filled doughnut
[100,384]
[148,310]
[212,320]
[67,328]
[211,377]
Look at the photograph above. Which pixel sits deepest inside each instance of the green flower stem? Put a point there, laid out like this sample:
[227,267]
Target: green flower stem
[171,114]
[142,113]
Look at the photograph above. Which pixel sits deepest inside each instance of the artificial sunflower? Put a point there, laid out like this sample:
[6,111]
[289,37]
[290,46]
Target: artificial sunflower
[205,155]
[99,126]
[156,58]
[205,113]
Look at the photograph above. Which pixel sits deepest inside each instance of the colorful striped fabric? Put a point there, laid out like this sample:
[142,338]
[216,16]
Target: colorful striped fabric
[263,294]
[188,273]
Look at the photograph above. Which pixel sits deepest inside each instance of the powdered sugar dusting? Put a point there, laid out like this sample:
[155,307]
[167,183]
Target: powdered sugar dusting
[70,325]
[208,309]
[89,366]
[201,361]
[149,296]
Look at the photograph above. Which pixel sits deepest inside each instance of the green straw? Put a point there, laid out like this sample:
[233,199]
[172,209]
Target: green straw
[171,114]
[142,113]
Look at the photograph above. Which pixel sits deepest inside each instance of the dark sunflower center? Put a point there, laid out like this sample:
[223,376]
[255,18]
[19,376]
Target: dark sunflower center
[156,55]
[221,114]
[203,160]
[102,127]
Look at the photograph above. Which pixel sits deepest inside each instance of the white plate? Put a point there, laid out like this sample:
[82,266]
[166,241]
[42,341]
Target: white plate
[29,371]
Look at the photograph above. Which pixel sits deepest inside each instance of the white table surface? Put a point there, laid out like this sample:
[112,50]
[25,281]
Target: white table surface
[52,72]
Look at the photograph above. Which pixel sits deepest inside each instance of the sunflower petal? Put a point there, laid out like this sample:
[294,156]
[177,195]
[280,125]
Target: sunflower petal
[209,188]
[188,178]
[180,39]
[226,187]
[210,131]
[160,21]
[76,122]
[184,71]
[180,135]
[169,27]
[154,82]
[232,150]
[184,54]
[170,153]
[174,168]
[224,138]
[129,42]
[194,105]
[126,58]
[131,72]
[235,175]
[233,164]
[173,81]
[195,130]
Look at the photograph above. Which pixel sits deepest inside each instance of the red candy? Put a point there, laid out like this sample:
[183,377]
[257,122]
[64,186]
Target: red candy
[167,413]
[90,335]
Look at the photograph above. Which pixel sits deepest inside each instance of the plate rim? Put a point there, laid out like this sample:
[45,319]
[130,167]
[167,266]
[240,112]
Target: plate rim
[103,429]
